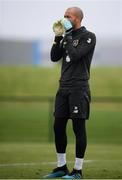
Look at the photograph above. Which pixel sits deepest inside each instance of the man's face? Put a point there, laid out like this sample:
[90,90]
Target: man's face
[71,16]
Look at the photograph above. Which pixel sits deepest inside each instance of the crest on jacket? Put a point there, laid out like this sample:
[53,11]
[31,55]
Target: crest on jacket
[75,42]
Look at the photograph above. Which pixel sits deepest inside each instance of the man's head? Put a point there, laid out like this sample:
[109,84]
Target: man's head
[75,15]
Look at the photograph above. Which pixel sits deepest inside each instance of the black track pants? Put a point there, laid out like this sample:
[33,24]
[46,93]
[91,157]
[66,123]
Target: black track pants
[61,137]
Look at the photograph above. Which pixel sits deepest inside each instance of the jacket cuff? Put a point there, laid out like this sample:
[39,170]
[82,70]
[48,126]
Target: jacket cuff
[58,39]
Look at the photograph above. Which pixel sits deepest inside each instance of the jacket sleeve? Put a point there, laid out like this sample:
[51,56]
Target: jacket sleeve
[84,46]
[57,49]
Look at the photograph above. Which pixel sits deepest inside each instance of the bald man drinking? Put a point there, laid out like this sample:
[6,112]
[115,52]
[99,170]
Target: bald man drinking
[74,45]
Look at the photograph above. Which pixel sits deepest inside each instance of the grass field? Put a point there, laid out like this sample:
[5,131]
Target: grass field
[30,122]
[26,153]
[34,160]
[26,127]
[32,80]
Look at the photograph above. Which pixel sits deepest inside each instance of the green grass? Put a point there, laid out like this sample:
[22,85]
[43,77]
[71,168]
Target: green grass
[105,123]
[26,127]
[25,152]
[40,159]
[106,81]
[28,81]
[33,80]
[30,122]
[24,121]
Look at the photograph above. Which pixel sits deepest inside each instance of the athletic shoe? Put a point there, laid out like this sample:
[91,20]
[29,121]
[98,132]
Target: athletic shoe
[75,174]
[57,172]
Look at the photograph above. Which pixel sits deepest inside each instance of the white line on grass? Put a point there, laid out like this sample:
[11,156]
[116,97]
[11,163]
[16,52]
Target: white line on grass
[50,163]
[37,163]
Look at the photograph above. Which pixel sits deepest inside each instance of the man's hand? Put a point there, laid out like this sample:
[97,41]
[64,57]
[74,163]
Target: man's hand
[58,28]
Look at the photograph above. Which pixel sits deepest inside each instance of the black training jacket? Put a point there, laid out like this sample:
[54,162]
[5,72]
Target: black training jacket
[76,51]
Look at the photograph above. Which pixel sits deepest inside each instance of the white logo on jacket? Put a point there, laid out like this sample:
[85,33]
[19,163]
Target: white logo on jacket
[89,40]
[75,110]
[68,58]
[75,42]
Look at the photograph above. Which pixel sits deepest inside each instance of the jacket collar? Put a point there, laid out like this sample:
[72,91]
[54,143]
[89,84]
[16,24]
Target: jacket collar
[81,29]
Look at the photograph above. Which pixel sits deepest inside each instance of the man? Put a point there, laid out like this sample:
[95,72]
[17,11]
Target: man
[75,49]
